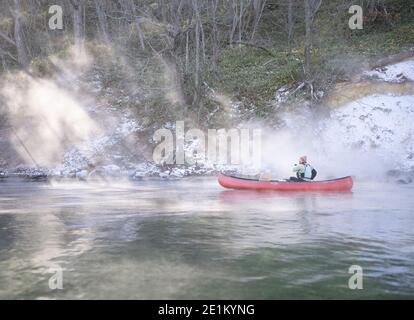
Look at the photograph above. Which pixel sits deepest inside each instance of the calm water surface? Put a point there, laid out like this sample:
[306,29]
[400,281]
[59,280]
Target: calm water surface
[191,239]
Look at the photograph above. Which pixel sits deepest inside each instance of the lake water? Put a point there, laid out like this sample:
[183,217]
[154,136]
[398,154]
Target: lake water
[191,239]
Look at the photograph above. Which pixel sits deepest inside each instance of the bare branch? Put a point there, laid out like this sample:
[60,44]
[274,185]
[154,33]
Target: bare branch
[7,38]
[8,54]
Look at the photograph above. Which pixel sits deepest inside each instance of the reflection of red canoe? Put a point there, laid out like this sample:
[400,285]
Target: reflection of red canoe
[253,184]
[241,195]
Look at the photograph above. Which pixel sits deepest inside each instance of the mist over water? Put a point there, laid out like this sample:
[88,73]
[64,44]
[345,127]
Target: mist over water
[83,200]
[57,123]
[365,138]
[47,115]
[191,239]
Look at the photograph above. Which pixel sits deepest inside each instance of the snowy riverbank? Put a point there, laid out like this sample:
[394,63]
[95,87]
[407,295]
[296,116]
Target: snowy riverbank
[375,131]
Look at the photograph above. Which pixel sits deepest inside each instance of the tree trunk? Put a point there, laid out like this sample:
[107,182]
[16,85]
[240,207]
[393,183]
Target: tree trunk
[103,21]
[234,23]
[197,39]
[290,24]
[129,8]
[78,24]
[21,48]
[197,55]
[258,7]
[201,29]
[308,38]
[187,52]
[241,21]
[311,7]
[3,62]
[215,37]
[32,7]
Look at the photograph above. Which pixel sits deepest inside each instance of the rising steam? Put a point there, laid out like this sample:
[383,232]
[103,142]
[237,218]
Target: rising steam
[46,115]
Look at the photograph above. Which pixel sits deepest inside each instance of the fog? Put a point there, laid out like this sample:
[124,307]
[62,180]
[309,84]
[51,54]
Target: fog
[50,115]
[47,114]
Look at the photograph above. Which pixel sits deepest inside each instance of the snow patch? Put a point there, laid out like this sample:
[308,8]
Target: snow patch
[80,156]
[378,125]
[396,73]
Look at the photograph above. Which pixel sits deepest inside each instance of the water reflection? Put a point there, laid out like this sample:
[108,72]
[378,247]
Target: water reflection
[192,239]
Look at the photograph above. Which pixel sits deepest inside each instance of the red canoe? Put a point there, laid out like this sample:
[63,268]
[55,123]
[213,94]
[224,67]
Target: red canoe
[340,184]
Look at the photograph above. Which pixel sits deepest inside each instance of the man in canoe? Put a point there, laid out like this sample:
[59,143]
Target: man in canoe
[304,171]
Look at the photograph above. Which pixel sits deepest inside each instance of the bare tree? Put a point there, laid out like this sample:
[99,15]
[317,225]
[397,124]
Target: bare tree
[130,9]
[290,24]
[78,23]
[100,6]
[197,40]
[215,33]
[234,21]
[187,51]
[19,38]
[311,7]
[4,52]
[258,7]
